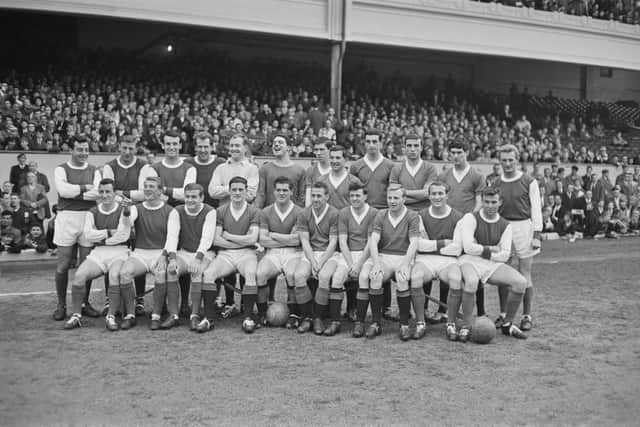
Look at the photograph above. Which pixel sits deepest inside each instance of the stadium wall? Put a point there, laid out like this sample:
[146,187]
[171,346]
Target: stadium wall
[47,162]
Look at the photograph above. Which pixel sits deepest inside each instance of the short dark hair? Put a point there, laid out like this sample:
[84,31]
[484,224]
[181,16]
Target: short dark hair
[106,181]
[194,186]
[323,140]
[491,191]
[238,179]
[80,139]
[204,135]
[412,136]
[21,155]
[321,184]
[340,148]
[439,184]
[459,144]
[171,134]
[355,186]
[6,212]
[281,135]
[283,180]
[128,139]
[375,132]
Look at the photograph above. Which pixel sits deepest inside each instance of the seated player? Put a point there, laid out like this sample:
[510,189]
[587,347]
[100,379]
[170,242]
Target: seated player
[393,246]
[318,229]
[278,235]
[486,242]
[438,250]
[108,226]
[152,221]
[194,234]
[236,236]
[354,227]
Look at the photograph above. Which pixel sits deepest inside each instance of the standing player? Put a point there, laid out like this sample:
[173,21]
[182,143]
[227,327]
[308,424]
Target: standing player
[465,188]
[237,231]
[205,164]
[486,241]
[76,182]
[282,243]
[414,174]
[176,173]
[194,229]
[152,220]
[393,246]
[128,173]
[438,250]
[281,166]
[354,228]
[374,171]
[317,226]
[107,226]
[521,207]
[338,180]
[318,169]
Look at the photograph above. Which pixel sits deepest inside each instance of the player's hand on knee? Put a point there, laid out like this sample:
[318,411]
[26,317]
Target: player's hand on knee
[195,267]
[160,266]
[376,272]
[403,274]
[172,267]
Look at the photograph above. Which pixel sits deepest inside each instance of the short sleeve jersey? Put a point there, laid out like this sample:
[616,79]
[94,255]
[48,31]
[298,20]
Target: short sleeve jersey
[462,194]
[339,195]
[357,232]
[376,180]
[269,172]
[489,233]
[516,204]
[241,226]
[312,174]
[440,228]
[319,232]
[191,227]
[271,221]
[394,239]
[400,174]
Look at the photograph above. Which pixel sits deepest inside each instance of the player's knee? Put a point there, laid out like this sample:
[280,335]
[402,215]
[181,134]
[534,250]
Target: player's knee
[471,285]
[402,286]
[209,276]
[519,284]
[127,275]
[454,277]
[375,283]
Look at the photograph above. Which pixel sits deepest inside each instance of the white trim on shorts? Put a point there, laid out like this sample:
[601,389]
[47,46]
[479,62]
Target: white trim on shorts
[147,257]
[317,254]
[105,256]
[234,257]
[355,257]
[69,229]
[280,257]
[436,264]
[483,267]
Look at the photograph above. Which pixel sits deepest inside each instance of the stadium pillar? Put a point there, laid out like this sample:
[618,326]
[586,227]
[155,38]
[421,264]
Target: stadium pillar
[583,82]
[336,76]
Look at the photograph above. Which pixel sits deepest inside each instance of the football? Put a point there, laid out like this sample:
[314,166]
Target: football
[277,314]
[483,330]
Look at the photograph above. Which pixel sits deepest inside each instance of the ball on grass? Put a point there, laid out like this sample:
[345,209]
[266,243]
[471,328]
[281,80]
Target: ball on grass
[277,314]
[483,330]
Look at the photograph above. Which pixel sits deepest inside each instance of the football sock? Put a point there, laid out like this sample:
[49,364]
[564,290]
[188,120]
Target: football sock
[362,304]
[196,297]
[455,299]
[312,284]
[87,291]
[262,308]
[128,295]
[335,305]
[291,301]
[303,295]
[263,298]
[444,293]
[468,304]
[141,284]
[271,283]
[386,294]
[320,310]
[173,297]
[351,290]
[376,299]
[249,301]
[527,301]
[61,287]
[503,294]
[185,284]
[418,298]
[480,300]
[159,297]
[427,291]
[106,284]
[322,296]
[77,295]
[209,295]
[404,306]
[114,299]
[306,309]
[513,303]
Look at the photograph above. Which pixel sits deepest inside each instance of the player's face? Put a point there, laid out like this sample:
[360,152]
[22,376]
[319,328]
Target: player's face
[318,198]
[238,192]
[203,149]
[106,193]
[36,232]
[490,204]
[236,148]
[321,151]
[357,198]
[337,161]
[80,152]
[172,146]
[151,190]
[458,156]
[279,147]
[282,193]
[508,162]
[372,143]
[395,200]
[127,151]
[412,149]
[193,199]
[438,195]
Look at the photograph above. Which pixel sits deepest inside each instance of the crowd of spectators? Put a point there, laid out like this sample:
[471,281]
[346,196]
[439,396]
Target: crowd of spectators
[625,11]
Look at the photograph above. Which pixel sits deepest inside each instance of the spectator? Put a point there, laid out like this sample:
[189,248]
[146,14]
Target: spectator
[36,239]
[566,227]
[33,197]
[5,201]
[21,217]
[619,140]
[40,177]
[10,236]
[603,188]
[548,225]
[616,197]
[494,175]
[18,174]
[634,221]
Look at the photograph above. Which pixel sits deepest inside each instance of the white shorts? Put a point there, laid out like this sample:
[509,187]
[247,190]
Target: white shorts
[237,257]
[355,256]
[148,257]
[188,257]
[436,264]
[279,257]
[105,256]
[483,267]
[391,262]
[522,238]
[317,254]
[68,229]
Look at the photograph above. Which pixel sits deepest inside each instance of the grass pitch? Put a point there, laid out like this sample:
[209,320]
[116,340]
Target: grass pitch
[580,365]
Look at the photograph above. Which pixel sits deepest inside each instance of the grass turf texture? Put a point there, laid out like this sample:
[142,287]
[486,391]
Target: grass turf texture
[580,365]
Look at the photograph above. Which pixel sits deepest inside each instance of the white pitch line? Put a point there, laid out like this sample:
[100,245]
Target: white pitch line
[26,294]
